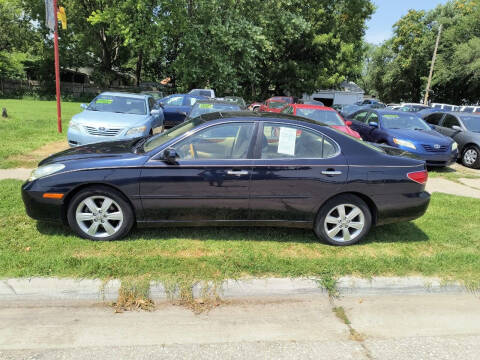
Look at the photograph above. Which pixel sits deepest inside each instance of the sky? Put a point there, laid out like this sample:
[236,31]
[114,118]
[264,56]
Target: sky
[389,12]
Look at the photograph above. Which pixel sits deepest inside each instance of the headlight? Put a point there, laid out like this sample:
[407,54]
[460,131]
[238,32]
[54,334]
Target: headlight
[74,126]
[405,143]
[136,130]
[45,170]
[454,146]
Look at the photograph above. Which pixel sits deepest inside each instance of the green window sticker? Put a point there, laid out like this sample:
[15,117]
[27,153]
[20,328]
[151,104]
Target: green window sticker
[205,106]
[391,116]
[104,101]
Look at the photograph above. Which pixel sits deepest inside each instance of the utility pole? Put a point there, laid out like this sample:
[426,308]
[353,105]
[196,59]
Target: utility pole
[427,91]
[57,68]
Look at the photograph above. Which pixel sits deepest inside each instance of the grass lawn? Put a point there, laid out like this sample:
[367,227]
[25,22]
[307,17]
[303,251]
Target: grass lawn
[445,242]
[31,124]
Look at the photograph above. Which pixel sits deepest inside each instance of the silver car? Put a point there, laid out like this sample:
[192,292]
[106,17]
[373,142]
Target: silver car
[115,116]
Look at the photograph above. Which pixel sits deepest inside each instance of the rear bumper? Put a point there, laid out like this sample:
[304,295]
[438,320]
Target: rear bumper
[401,207]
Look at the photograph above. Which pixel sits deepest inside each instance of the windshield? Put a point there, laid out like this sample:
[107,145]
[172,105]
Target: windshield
[200,109]
[472,123]
[276,104]
[322,116]
[403,121]
[170,134]
[118,104]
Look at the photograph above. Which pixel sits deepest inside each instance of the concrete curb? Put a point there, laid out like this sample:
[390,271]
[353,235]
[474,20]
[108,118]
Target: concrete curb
[41,289]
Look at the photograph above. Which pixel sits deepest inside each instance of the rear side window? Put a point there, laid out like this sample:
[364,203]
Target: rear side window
[434,119]
[291,142]
[450,121]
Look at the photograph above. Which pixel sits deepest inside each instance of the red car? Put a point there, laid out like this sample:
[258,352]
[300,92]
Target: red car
[321,114]
[275,104]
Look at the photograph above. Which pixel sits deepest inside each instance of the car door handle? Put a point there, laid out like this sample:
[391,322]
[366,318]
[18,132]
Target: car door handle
[237,172]
[331,172]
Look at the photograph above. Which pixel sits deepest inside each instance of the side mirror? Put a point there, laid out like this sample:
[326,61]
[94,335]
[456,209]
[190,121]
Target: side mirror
[155,112]
[373,124]
[457,128]
[84,106]
[161,105]
[170,156]
[348,123]
[183,113]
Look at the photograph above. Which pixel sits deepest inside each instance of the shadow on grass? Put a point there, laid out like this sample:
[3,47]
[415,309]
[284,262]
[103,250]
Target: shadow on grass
[406,232]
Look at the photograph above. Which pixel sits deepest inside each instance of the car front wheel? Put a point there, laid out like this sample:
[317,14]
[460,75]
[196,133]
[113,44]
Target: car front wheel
[100,213]
[343,220]
[471,157]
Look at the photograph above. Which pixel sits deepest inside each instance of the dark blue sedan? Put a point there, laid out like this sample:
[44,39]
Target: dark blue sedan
[406,131]
[176,107]
[231,169]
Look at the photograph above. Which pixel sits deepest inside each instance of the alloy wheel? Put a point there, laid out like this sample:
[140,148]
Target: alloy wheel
[470,157]
[344,223]
[99,216]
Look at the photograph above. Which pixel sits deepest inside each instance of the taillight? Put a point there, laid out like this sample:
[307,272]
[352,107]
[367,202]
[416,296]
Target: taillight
[420,177]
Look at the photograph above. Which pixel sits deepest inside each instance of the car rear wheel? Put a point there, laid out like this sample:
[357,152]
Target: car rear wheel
[100,214]
[343,220]
[471,157]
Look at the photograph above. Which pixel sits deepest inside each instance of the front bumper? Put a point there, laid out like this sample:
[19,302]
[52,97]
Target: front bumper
[39,208]
[77,138]
[439,160]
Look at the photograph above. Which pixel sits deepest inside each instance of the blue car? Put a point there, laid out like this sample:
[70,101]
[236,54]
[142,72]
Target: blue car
[176,107]
[115,116]
[405,131]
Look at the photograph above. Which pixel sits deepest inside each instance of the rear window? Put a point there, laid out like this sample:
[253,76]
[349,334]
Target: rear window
[321,116]
[276,104]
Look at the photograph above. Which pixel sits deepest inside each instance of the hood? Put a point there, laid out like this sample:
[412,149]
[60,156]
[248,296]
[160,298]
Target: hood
[347,130]
[110,119]
[113,149]
[420,136]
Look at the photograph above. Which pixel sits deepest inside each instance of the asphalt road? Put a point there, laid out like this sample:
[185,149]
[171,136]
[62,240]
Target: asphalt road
[433,326]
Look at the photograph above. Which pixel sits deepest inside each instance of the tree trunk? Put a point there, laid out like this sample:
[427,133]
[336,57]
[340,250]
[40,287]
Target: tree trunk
[138,71]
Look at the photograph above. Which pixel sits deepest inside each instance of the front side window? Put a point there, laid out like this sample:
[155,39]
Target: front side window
[118,104]
[288,110]
[190,101]
[287,141]
[372,118]
[450,121]
[151,103]
[434,119]
[360,116]
[225,141]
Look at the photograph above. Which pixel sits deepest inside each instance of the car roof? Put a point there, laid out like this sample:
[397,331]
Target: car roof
[456,113]
[216,101]
[310,106]
[248,115]
[121,94]
[393,112]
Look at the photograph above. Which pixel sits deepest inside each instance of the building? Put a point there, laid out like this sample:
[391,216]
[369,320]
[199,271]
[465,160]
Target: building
[349,93]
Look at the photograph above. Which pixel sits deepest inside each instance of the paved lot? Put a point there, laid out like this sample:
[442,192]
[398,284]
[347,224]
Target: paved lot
[433,326]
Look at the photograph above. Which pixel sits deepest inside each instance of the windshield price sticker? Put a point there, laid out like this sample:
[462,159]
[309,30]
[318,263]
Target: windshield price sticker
[205,106]
[104,101]
[286,141]
[391,116]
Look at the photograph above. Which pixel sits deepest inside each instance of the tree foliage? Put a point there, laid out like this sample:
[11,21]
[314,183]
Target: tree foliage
[245,47]
[399,68]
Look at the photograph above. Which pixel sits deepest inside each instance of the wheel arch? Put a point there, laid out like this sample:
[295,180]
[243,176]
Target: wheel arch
[468,145]
[81,187]
[370,203]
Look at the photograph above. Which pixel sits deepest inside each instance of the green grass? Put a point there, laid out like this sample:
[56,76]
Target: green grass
[30,125]
[445,243]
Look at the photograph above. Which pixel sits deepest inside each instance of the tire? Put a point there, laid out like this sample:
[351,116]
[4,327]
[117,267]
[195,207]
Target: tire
[330,218]
[471,157]
[89,216]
